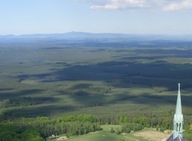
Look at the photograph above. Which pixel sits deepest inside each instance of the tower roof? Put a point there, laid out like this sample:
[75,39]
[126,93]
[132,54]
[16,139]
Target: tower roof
[176,139]
[178,110]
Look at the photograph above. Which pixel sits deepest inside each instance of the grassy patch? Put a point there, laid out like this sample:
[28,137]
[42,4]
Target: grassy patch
[105,135]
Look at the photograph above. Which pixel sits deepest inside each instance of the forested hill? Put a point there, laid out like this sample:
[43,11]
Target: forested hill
[96,40]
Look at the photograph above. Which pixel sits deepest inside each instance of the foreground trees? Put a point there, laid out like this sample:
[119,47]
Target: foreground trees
[12,132]
[39,128]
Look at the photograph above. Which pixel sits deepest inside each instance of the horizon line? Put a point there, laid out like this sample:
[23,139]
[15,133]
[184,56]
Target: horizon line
[118,33]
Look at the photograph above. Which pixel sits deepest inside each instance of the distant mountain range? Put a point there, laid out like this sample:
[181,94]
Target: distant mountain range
[82,39]
[96,36]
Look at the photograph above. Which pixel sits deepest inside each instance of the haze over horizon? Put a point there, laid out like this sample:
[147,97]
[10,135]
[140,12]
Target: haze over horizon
[96,16]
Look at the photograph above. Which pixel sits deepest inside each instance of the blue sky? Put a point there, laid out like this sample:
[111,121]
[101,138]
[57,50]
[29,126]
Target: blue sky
[98,16]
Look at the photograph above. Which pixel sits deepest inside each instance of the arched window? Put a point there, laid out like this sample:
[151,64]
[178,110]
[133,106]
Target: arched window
[177,125]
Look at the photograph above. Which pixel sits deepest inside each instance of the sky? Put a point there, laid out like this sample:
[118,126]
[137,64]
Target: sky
[96,16]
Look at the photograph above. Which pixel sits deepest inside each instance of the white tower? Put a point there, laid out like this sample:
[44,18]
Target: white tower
[178,117]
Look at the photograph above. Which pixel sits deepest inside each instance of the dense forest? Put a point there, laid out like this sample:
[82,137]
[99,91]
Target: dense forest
[73,89]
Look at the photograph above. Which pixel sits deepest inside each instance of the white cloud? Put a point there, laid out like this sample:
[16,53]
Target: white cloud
[164,5]
[120,4]
[184,4]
